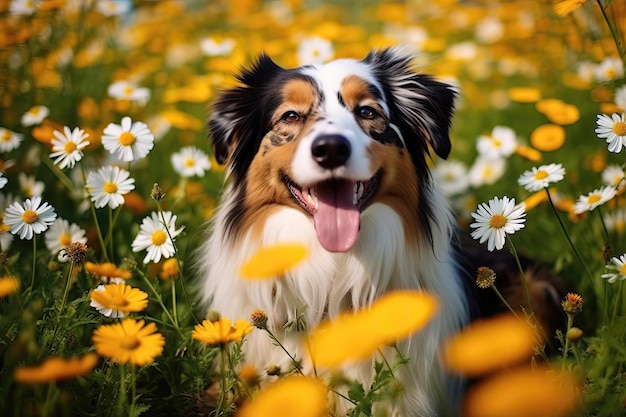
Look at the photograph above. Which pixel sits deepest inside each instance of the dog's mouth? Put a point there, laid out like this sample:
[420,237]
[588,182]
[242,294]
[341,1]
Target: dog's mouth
[335,205]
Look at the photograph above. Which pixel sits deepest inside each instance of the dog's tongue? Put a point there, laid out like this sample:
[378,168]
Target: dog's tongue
[337,218]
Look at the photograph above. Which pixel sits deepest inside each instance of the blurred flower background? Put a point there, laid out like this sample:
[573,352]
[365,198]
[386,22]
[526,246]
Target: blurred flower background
[107,177]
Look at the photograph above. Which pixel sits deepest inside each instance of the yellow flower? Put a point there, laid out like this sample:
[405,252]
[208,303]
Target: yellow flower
[8,285]
[524,392]
[356,336]
[181,120]
[564,7]
[548,137]
[129,341]
[273,261]
[107,271]
[489,344]
[529,153]
[120,297]
[524,94]
[55,369]
[169,269]
[221,331]
[289,397]
[535,199]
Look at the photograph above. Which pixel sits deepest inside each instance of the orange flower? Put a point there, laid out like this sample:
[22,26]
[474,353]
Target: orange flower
[221,331]
[273,261]
[107,271]
[8,285]
[129,341]
[524,94]
[169,269]
[55,369]
[548,137]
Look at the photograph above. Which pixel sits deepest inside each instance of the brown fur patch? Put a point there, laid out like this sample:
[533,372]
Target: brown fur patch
[356,92]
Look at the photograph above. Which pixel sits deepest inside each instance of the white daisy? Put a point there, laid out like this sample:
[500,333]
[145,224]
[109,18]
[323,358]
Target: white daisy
[35,115]
[594,199]
[613,130]
[619,97]
[130,141]
[613,175]
[3,180]
[616,221]
[125,90]
[68,147]
[489,30]
[618,265]
[500,143]
[586,71]
[30,219]
[497,219]
[153,236]
[61,234]
[451,176]
[190,161]
[611,68]
[111,8]
[105,311]
[486,171]
[538,178]
[213,47]
[9,140]
[315,50]
[29,186]
[108,185]
[23,7]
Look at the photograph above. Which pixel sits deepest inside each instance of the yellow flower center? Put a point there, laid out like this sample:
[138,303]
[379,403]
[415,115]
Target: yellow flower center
[35,110]
[593,199]
[497,221]
[128,90]
[6,136]
[622,269]
[69,147]
[65,239]
[619,128]
[110,187]
[127,138]
[130,342]
[158,237]
[30,216]
[496,142]
[189,162]
[541,174]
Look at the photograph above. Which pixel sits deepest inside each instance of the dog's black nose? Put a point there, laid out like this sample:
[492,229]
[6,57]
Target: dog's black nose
[330,151]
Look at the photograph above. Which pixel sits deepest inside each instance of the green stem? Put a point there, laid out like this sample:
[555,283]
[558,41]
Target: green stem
[529,307]
[604,229]
[121,401]
[133,387]
[222,390]
[159,300]
[613,29]
[617,300]
[296,364]
[570,321]
[32,280]
[506,303]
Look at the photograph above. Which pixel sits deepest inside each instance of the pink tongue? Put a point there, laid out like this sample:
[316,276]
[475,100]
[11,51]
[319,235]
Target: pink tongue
[337,218]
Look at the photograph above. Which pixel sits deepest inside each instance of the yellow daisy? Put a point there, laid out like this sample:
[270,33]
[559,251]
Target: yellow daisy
[129,341]
[564,7]
[221,331]
[107,271]
[55,369]
[117,300]
[356,336]
[8,285]
[548,137]
[273,261]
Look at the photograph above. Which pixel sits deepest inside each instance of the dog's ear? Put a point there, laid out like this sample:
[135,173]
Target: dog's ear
[236,116]
[424,105]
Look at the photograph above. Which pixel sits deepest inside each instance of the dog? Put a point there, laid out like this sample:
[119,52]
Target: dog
[336,157]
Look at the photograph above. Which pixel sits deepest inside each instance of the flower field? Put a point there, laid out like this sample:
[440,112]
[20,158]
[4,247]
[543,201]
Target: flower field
[107,181]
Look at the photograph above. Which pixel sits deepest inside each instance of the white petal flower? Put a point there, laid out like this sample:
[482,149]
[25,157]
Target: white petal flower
[29,186]
[105,311]
[611,68]
[125,90]
[486,171]
[30,219]
[496,219]
[108,185]
[3,180]
[613,130]
[451,176]
[190,161]
[618,266]
[130,141]
[62,233]
[154,236]
[214,47]
[315,50]
[538,178]
[9,140]
[594,199]
[111,8]
[613,175]
[502,142]
[68,147]
[34,115]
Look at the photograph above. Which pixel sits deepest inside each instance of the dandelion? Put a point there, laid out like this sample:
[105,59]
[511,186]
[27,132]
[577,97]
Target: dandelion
[496,219]
[117,300]
[613,130]
[314,50]
[62,233]
[125,90]
[129,140]
[30,219]
[486,171]
[373,327]
[500,143]
[221,331]
[129,341]
[34,115]
[451,176]
[273,261]
[613,175]
[190,161]
[29,186]
[594,199]
[538,178]
[489,344]
[68,147]
[618,268]
[573,303]
[108,185]
[290,396]
[56,369]
[156,236]
[9,140]
[108,272]
[8,285]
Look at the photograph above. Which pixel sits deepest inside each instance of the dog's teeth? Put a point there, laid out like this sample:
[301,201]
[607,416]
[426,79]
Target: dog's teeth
[358,191]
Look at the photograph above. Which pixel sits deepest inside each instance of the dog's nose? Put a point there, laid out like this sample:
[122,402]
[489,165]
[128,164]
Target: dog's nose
[330,151]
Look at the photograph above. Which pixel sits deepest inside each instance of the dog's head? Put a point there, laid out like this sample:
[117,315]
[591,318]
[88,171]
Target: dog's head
[330,140]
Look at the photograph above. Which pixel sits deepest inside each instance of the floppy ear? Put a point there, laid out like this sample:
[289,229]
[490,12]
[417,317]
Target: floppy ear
[424,105]
[236,116]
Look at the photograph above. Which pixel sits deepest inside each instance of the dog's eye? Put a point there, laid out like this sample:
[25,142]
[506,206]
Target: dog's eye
[290,116]
[366,112]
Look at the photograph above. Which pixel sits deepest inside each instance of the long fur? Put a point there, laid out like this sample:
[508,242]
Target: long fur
[406,229]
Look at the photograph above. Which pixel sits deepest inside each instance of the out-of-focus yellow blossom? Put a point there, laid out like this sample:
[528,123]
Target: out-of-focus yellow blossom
[547,137]
[221,331]
[181,120]
[56,369]
[8,285]
[356,336]
[528,153]
[565,7]
[169,269]
[535,199]
[273,261]
[524,94]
